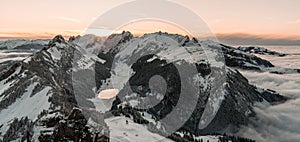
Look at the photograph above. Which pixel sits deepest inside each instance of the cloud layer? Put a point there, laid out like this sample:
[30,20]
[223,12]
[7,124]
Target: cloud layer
[281,122]
[246,39]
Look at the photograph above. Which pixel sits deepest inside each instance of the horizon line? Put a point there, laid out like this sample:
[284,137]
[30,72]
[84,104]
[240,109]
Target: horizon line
[227,38]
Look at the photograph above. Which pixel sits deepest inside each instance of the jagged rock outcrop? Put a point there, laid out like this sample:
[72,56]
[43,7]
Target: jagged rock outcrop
[260,50]
[74,127]
[37,87]
[237,58]
[21,129]
[241,58]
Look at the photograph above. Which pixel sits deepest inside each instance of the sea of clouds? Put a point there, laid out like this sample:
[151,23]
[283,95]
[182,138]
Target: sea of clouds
[277,123]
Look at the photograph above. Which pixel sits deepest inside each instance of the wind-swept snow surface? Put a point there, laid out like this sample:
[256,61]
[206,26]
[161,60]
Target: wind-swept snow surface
[125,130]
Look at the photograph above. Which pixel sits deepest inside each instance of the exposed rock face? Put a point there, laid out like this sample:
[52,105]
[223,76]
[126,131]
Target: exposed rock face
[58,39]
[260,50]
[237,58]
[239,95]
[21,129]
[44,84]
[38,87]
[243,59]
[240,58]
[72,128]
[235,110]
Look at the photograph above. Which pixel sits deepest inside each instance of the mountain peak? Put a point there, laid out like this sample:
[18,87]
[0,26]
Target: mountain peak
[123,37]
[58,38]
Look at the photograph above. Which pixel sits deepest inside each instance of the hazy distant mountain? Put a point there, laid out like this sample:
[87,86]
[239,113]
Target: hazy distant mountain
[12,51]
[246,39]
[23,44]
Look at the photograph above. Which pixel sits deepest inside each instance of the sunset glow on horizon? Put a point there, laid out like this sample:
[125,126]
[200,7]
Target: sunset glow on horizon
[45,19]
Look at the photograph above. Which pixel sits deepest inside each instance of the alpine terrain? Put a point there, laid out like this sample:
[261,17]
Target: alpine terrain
[168,87]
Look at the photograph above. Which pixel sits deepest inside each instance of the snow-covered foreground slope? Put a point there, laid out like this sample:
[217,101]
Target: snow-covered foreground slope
[28,104]
[191,87]
[125,130]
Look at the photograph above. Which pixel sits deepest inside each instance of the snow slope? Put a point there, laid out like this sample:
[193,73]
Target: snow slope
[131,132]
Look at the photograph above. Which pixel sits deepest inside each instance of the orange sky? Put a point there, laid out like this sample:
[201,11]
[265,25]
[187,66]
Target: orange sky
[36,18]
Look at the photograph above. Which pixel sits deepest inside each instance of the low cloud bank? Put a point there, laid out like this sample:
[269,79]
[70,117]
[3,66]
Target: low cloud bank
[246,39]
[276,123]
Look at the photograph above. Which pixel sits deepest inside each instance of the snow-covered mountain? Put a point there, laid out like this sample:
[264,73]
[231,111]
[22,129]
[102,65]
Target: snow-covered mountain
[242,59]
[23,44]
[12,51]
[53,94]
[261,50]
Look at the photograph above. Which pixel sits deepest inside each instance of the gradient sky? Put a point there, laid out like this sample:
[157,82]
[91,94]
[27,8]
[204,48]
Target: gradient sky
[268,18]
